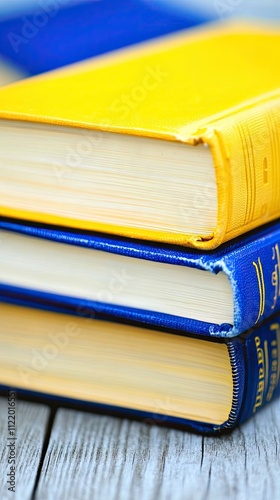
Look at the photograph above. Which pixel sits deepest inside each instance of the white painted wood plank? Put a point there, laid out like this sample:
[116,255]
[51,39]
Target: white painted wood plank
[31,424]
[100,457]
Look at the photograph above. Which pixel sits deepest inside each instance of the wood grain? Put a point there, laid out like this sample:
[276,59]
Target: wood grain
[100,457]
[31,424]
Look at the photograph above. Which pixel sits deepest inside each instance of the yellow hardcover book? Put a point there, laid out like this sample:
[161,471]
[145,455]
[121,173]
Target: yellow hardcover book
[176,140]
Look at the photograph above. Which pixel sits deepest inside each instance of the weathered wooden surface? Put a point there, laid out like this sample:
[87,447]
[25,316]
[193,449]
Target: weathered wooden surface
[99,457]
[31,424]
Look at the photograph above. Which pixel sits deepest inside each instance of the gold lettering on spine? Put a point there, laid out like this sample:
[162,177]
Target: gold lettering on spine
[275,281]
[275,360]
[275,276]
[266,364]
[259,272]
[261,375]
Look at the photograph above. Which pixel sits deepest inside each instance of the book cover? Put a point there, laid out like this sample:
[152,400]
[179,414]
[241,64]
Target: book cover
[51,34]
[253,365]
[251,265]
[235,111]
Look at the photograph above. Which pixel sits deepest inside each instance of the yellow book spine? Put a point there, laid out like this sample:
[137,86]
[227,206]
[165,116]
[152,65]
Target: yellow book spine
[246,150]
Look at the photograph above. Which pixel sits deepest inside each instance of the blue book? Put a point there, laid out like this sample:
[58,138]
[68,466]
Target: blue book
[156,376]
[220,293]
[52,35]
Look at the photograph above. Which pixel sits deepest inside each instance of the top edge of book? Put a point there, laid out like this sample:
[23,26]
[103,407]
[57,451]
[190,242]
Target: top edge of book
[203,54]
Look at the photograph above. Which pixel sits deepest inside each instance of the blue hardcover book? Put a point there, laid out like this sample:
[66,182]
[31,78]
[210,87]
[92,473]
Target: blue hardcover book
[156,376]
[220,293]
[55,33]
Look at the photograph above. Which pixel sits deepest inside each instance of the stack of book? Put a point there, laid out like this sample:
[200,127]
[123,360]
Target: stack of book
[140,262]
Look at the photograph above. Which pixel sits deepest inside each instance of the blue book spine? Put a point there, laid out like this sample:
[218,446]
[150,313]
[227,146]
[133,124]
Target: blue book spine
[262,367]
[253,267]
[255,361]
[53,35]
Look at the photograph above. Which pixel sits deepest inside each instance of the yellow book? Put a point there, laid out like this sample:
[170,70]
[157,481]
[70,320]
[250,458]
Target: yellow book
[176,140]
